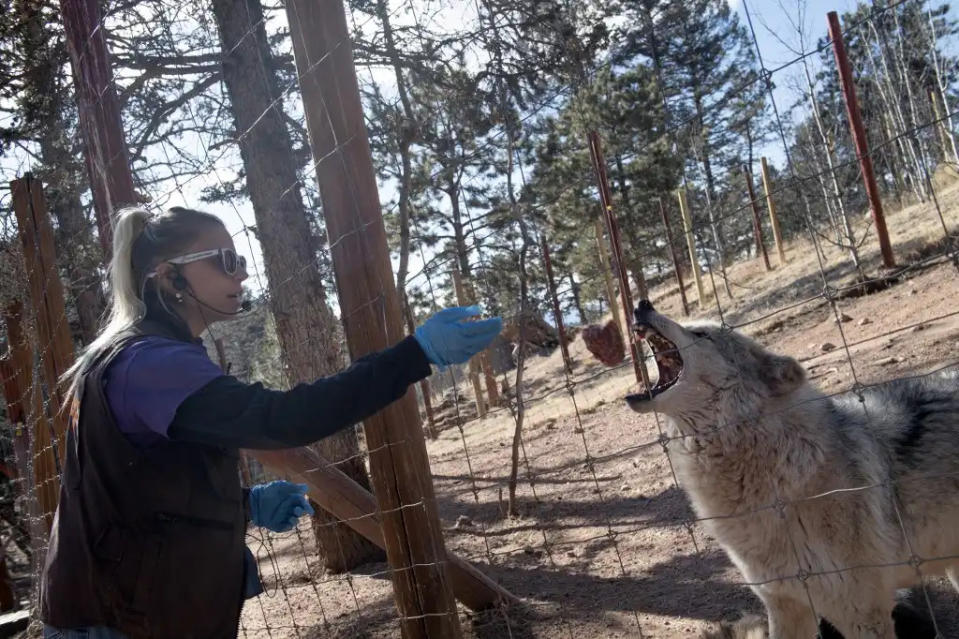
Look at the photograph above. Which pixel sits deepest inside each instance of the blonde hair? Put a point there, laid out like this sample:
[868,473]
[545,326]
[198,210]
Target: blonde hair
[141,240]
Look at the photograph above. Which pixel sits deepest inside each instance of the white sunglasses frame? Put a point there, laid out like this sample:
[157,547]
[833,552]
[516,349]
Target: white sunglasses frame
[203,255]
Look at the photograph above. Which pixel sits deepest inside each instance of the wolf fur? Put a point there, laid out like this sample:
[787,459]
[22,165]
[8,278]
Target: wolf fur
[806,492]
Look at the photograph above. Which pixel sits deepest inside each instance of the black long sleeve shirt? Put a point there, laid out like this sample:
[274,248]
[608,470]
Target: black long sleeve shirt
[227,412]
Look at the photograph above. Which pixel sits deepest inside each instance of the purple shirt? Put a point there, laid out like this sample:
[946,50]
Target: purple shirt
[149,379]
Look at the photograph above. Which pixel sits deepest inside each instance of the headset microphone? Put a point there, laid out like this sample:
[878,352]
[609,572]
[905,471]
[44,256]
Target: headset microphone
[245,305]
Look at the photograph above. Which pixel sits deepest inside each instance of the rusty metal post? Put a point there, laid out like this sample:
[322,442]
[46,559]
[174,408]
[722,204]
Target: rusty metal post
[859,137]
[672,253]
[98,112]
[599,167]
[557,313]
[757,226]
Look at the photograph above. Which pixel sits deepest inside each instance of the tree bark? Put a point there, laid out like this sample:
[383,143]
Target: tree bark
[406,134]
[78,253]
[305,325]
[635,265]
[577,301]
[837,192]
[887,92]
[942,85]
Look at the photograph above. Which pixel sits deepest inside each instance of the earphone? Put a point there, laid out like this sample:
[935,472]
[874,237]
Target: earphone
[180,283]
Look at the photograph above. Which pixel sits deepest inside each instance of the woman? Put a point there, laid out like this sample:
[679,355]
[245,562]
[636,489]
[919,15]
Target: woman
[148,538]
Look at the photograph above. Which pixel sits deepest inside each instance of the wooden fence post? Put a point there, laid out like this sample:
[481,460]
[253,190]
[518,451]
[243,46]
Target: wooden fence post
[25,410]
[35,230]
[474,368]
[771,205]
[557,312]
[757,226]
[372,316]
[691,243]
[677,267]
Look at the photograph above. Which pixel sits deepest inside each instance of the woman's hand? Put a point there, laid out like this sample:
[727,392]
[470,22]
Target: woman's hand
[447,338]
[278,505]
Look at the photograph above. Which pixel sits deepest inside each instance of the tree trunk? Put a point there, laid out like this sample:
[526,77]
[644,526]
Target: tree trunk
[899,172]
[893,105]
[79,254]
[943,87]
[837,192]
[906,80]
[305,325]
[406,134]
[577,301]
[520,411]
[703,152]
[635,265]
[459,232]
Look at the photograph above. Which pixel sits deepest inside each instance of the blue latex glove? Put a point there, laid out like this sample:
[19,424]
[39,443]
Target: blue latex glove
[278,505]
[447,339]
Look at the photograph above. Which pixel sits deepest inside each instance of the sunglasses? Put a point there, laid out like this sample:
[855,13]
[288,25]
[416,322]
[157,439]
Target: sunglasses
[230,262]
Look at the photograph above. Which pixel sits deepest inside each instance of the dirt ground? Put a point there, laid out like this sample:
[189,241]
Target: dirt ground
[607,549]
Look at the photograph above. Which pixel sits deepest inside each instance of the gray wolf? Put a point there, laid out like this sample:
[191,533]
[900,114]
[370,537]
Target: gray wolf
[809,495]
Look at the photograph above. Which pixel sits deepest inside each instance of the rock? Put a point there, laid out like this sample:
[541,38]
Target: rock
[864,321]
[844,318]
[624,487]
[889,360]
[917,328]
[827,346]
[463,521]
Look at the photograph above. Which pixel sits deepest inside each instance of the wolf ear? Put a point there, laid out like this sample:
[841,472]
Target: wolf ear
[782,374]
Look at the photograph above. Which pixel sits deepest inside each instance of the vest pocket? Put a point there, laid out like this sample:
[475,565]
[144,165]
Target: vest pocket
[129,561]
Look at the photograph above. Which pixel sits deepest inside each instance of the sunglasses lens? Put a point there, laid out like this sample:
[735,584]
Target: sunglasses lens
[229,261]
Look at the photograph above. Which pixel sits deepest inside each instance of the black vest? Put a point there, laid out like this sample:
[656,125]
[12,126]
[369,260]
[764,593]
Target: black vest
[146,541]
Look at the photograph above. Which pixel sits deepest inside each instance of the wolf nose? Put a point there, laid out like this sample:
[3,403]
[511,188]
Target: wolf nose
[644,307]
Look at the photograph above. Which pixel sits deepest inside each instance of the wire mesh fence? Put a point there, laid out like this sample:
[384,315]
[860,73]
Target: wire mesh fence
[542,476]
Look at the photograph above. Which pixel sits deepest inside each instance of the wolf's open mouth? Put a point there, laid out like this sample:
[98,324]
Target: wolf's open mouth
[668,361]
